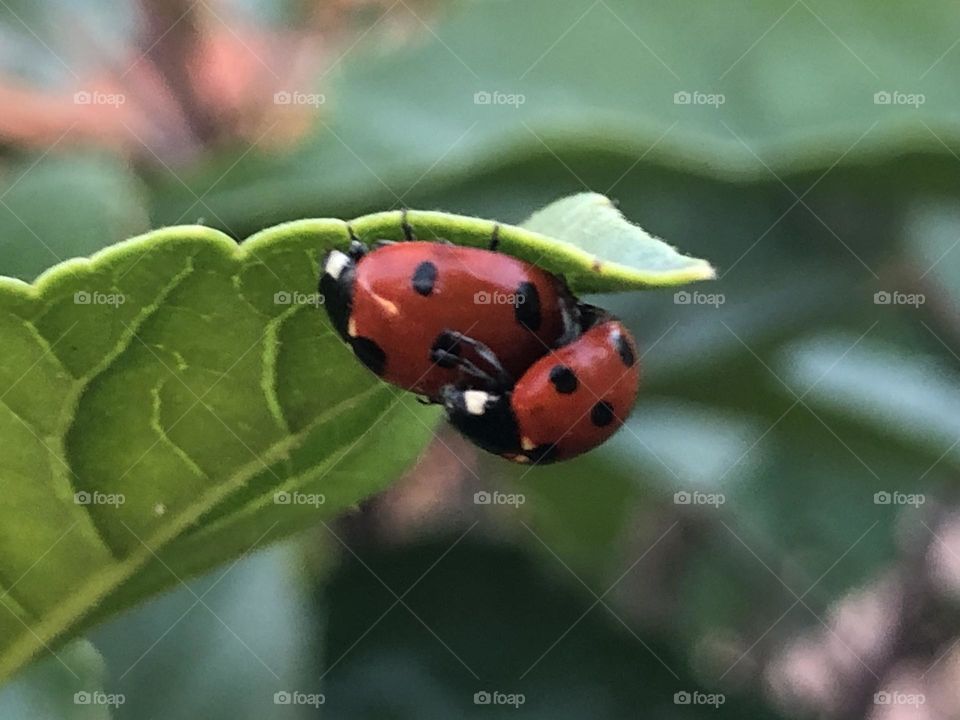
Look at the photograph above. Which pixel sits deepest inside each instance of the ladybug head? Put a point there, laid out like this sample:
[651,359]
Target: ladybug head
[337,272]
[484,418]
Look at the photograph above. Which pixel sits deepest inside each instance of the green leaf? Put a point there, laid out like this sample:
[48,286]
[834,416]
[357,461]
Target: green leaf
[158,395]
[582,237]
[590,220]
[164,373]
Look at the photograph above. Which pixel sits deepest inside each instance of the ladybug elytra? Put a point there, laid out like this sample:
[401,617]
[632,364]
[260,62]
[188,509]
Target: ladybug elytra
[566,403]
[422,315]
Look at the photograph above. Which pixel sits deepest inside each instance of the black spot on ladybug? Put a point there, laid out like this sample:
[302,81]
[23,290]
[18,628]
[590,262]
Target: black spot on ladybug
[624,350]
[563,379]
[602,414]
[527,309]
[424,278]
[369,353]
[445,350]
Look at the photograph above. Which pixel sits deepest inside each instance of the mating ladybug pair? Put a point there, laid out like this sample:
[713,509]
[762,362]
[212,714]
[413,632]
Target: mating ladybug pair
[522,368]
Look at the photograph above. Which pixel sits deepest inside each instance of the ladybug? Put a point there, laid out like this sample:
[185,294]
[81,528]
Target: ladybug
[422,315]
[566,403]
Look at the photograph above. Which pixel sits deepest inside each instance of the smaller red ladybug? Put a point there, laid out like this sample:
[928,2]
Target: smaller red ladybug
[567,402]
[422,315]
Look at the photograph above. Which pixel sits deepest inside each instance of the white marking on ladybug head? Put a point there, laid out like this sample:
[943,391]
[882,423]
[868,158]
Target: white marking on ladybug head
[475,401]
[527,444]
[336,262]
[352,327]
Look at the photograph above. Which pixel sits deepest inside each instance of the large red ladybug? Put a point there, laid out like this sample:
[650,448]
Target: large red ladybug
[422,315]
[567,402]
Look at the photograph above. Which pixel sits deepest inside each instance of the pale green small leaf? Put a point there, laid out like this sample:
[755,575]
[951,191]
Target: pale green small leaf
[628,255]
[155,397]
[582,237]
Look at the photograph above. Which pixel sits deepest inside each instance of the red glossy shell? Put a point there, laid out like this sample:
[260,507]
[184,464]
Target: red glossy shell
[546,416]
[405,323]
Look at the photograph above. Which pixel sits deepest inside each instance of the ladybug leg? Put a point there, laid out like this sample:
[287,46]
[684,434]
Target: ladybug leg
[408,233]
[446,358]
[452,339]
[495,238]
